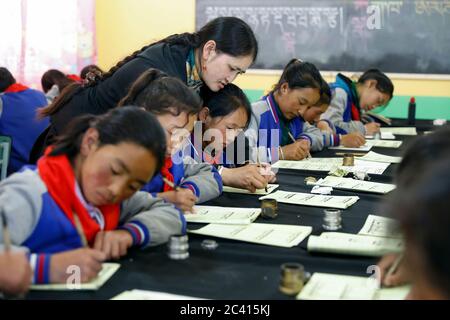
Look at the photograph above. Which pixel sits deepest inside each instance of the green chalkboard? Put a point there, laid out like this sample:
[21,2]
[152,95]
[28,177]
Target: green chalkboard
[395,36]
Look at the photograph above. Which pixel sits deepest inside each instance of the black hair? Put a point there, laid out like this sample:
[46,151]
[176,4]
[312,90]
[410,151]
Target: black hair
[422,211]
[126,124]
[232,35]
[325,95]
[298,74]
[6,79]
[384,84]
[158,93]
[421,154]
[52,77]
[90,68]
[226,101]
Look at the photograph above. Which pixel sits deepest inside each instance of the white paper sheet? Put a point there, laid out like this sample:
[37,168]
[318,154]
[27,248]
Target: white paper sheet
[223,215]
[354,185]
[377,226]
[315,200]
[270,189]
[104,275]
[402,131]
[353,244]
[377,157]
[327,286]
[279,235]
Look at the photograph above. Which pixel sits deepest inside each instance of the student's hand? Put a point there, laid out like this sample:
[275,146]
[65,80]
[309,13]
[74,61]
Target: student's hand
[324,126]
[88,260]
[353,140]
[15,273]
[266,171]
[398,278]
[184,199]
[247,177]
[114,244]
[296,151]
[372,128]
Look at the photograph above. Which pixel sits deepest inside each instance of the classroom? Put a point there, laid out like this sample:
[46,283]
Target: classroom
[225,150]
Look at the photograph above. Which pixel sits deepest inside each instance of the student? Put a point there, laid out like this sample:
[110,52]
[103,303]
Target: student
[176,108]
[330,137]
[53,83]
[277,120]
[18,106]
[419,157]
[422,211]
[15,273]
[350,99]
[218,139]
[94,69]
[213,56]
[93,171]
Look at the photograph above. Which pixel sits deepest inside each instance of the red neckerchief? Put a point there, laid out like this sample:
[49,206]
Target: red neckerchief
[74,77]
[355,113]
[58,175]
[16,87]
[165,172]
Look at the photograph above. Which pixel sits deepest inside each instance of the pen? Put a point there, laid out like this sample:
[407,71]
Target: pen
[259,165]
[395,265]
[193,147]
[170,183]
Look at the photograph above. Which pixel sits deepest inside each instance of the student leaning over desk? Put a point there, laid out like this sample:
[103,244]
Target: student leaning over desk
[350,99]
[330,137]
[299,88]
[218,139]
[180,181]
[93,172]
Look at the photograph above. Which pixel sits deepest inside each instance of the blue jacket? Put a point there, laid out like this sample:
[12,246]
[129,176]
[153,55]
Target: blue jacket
[201,178]
[18,121]
[265,129]
[343,101]
[38,223]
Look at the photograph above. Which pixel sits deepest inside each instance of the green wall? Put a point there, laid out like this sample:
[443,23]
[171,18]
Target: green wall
[426,107]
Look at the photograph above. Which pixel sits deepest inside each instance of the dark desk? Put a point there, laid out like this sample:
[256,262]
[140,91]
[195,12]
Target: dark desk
[238,270]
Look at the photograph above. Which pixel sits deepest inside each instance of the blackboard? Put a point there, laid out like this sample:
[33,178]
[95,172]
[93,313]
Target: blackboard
[342,35]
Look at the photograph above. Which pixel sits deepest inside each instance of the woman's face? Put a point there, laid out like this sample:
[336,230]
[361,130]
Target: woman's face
[177,129]
[312,114]
[219,68]
[112,173]
[295,102]
[223,129]
[370,97]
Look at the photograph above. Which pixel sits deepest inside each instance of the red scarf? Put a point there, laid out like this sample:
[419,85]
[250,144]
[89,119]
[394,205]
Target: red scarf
[16,87]
[355,113]
[74,77]
[58,175]
[165,172]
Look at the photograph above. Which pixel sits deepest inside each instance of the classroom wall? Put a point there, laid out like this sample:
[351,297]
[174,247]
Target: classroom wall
[124,26]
